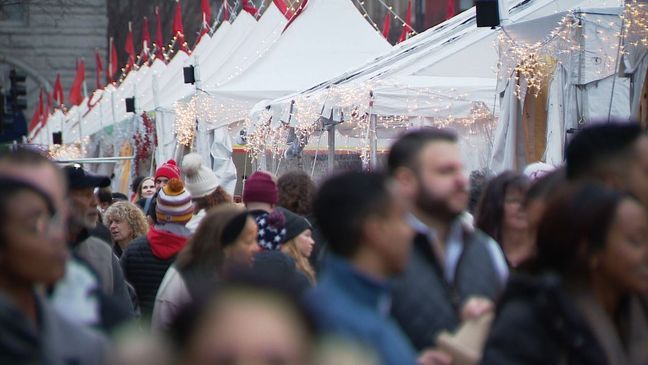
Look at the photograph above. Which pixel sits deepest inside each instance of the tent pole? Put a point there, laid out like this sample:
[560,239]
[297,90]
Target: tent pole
[331,147]
[373,142]
[503,12]
[80,129]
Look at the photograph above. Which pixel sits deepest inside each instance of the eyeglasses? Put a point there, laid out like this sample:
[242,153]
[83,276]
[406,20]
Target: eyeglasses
[46,224]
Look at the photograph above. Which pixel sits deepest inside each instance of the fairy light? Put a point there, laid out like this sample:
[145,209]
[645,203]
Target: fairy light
[534,63]
[185,121]
[531,62]
[69,151]
[397,17]
[389,9]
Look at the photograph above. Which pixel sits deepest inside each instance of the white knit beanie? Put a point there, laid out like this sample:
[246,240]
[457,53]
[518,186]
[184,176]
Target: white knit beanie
[199,180]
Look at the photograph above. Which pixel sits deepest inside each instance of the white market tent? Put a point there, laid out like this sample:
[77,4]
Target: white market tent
[215,146]
[444,76]
[579,52]
[207,61]
[328,38]
[250,49]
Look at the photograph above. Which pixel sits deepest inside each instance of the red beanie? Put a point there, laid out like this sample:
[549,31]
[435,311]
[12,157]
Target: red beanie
[168,170]
[260,188]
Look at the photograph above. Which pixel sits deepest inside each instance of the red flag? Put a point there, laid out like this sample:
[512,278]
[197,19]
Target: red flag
[206,10]
[178,29]
[113,62]
[387,25]
[130,46]
[250,8]
[37,118]
[408,20]
[58,90]
[226,14]
[450,10]
[159,42]
[283,8]
[76,95]
[300,9]
[98,69]
[146,40]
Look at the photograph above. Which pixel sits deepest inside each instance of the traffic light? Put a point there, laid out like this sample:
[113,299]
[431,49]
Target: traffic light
[18,90]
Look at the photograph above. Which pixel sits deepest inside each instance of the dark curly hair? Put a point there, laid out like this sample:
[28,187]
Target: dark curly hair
[296,191]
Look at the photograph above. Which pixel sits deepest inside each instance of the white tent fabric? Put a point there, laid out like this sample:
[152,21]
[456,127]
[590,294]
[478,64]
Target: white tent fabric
[208,64]
[584,87]
[210,144]
[242,27]
[439,76]
[170,87]
[328,38]
[455,48]
[252,41]
[254,46]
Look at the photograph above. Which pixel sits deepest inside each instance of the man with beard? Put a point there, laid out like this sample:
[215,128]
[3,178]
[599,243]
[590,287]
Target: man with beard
[455,272]
[97,253]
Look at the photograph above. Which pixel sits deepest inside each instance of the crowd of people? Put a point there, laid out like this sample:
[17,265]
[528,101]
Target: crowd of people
[413,264]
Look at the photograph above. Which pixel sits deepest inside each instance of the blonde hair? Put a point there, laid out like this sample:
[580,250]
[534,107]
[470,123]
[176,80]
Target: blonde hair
[130,213]
[300,260]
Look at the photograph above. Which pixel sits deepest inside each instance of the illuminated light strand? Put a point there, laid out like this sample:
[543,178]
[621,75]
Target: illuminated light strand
[390,9]
[69,151]
[533,63]
[185,121]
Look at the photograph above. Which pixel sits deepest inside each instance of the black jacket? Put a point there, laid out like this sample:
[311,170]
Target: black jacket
[144,272]
[537,323]
[424,303]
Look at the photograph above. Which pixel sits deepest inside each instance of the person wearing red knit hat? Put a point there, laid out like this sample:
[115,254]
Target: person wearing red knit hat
[147,258]
[169,170]
[260,193]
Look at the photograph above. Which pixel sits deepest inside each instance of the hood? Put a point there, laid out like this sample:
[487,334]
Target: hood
[165,244]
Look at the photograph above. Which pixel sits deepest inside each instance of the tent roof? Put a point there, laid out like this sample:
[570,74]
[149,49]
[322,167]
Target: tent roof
[328,38]
[262,37]
[239,31]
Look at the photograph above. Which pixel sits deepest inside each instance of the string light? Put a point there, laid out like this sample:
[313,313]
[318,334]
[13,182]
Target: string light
[185,122]
[534,63]
[69,151]
[390,9]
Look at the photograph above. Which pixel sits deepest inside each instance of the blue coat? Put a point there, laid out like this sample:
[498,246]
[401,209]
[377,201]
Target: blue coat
[352,305]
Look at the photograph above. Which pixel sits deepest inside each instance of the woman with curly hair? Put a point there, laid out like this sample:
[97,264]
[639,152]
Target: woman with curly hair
[126,222]
[295,190]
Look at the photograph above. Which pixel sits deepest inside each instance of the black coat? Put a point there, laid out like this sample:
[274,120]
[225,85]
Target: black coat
[144,272]
[537,323]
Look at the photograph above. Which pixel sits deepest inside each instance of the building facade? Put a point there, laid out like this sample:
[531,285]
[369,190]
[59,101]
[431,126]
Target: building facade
[43,38]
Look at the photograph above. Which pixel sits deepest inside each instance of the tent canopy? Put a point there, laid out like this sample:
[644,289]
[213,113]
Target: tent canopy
[329,37]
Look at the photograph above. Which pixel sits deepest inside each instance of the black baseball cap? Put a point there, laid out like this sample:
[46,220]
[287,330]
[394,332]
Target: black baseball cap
[78,178]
